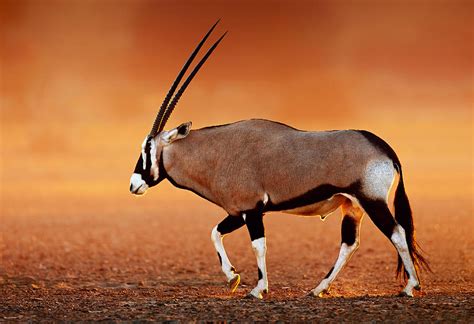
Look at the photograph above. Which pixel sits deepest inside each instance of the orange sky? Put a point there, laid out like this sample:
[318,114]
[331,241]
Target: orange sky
[115,58]
[403,69]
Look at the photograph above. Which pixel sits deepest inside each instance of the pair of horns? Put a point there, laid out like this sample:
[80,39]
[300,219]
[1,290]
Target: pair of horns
[166,109]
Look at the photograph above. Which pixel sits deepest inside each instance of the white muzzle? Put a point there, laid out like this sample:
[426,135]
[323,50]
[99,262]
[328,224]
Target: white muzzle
[137,185]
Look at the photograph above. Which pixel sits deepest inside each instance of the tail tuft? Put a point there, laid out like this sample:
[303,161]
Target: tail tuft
[404,217]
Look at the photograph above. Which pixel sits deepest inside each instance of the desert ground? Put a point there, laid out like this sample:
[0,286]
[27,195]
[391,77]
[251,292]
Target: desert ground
[152,259]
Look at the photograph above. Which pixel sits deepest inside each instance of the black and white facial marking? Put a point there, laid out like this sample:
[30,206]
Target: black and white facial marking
[149,171]
[146,173]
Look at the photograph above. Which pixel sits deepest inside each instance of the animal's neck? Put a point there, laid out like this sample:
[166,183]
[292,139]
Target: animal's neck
[185,168]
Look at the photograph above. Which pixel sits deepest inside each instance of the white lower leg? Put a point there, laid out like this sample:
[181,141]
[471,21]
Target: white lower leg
[226,266]
[400,242]
[259,247]
[345,254]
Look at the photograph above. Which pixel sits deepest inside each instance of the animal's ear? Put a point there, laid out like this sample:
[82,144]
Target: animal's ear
[176,133]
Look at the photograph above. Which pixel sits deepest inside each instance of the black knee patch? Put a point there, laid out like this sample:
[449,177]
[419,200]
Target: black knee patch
[255,226]
[380,214]
[219,256]
[348,230]
[260,274]
[329,273]
[230,224]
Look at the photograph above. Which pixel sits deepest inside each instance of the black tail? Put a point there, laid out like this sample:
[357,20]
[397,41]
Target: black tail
[404,217]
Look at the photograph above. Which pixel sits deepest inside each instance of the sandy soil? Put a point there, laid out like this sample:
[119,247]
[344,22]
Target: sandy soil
[145,259]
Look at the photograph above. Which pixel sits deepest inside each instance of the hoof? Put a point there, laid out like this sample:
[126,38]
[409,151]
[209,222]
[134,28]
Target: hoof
[313,295]
[252,297]
[234,283]
[321,294]
[404,294]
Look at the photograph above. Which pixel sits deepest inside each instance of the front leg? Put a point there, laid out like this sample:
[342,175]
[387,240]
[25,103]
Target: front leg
[228,225]
[256,230]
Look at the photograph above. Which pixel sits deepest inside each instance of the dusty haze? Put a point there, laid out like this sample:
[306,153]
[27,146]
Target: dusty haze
[81,81]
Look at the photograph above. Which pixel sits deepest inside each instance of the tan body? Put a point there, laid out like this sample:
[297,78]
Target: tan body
[236,165]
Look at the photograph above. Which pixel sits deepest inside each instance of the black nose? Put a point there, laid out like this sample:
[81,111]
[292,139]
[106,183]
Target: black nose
[131,187]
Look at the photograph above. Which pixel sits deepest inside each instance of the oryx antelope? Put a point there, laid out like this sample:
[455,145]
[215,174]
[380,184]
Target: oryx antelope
[252,167]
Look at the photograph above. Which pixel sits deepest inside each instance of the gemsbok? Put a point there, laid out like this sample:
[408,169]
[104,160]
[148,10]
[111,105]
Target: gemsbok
[256,166]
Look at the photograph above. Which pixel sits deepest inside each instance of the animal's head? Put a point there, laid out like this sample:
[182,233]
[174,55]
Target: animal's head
[147,170]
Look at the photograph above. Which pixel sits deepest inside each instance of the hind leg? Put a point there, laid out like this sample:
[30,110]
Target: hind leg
[350,230]
[380,214]
[228,225]
[398,239]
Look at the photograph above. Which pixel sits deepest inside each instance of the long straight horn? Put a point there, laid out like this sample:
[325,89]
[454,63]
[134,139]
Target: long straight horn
[180,92]
[159,117]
